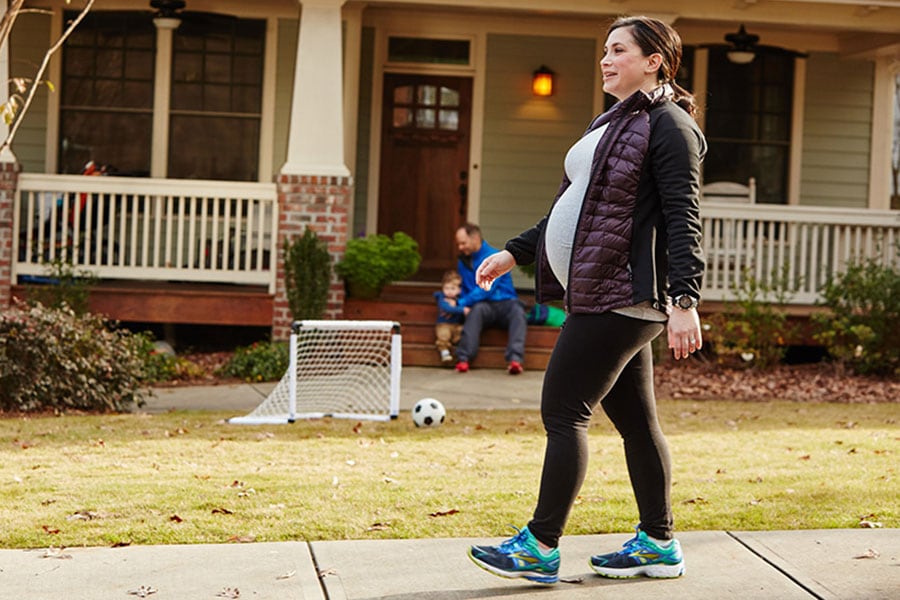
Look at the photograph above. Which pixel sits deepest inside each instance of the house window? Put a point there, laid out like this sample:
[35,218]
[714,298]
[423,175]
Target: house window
[106,107]
[748,122]
[216,105]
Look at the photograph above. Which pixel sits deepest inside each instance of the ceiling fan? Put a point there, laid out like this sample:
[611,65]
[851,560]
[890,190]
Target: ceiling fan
[170,14]
[743,47]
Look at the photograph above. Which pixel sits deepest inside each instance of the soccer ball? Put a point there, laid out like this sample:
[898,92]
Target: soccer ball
[428,412]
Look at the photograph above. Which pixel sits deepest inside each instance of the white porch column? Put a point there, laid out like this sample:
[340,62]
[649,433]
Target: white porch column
[162,89]
[882,135]
[316,136]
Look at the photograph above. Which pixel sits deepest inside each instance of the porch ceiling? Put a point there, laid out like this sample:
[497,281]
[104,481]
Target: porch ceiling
[833,15]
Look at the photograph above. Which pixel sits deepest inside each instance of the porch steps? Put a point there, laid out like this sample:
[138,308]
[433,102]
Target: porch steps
[413,306]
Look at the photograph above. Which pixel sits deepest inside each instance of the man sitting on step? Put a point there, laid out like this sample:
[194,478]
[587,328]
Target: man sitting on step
[499,307]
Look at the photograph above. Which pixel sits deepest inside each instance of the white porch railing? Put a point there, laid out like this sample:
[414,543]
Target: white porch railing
[149,229]
[797,245]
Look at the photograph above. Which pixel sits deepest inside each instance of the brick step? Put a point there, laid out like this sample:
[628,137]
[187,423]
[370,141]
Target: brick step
[416,318]
[489,357]
[535,337]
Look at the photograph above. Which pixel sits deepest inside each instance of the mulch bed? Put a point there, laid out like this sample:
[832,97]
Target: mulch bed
[819,382]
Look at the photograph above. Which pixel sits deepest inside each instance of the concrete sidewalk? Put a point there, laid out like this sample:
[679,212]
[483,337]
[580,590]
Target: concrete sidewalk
[826,564]
[858,564]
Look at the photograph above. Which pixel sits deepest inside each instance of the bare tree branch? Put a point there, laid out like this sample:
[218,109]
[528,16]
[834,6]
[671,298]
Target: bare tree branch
[38,78]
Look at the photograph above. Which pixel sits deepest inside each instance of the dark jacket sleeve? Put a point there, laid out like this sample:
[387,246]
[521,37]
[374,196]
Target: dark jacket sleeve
[677,148]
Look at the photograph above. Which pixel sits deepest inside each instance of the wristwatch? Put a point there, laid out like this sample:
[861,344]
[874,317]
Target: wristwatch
[685,302]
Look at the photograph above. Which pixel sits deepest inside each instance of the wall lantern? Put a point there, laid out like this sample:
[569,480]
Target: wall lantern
[542,81]
[743,46]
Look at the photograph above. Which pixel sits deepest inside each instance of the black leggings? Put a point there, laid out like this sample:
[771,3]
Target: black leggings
[602,358]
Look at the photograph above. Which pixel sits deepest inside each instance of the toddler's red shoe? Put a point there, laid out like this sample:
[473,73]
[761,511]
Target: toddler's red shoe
[462,366]
[514,367]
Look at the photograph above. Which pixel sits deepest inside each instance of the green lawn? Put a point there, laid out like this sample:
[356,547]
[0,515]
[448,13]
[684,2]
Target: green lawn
[190,477]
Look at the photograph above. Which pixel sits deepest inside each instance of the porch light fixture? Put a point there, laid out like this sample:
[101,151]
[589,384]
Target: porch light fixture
[742,51]
[542,81]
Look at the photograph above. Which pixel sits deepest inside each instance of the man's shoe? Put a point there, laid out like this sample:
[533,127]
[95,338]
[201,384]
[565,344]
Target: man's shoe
[515,367]
[462,366]
[641,556]
[519,556]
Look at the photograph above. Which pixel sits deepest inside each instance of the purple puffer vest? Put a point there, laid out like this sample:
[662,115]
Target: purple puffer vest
[599,272]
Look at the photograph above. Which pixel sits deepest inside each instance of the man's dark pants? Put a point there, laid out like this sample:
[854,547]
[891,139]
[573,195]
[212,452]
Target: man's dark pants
[506,314]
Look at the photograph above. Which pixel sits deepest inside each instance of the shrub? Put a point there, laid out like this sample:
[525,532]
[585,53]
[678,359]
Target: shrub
[862,326]
[53,359]
[752,329]
[307,267]
[262,361]
[69,288]
[372,262]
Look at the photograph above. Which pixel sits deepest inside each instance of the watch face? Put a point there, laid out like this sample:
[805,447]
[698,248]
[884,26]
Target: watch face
[685,302]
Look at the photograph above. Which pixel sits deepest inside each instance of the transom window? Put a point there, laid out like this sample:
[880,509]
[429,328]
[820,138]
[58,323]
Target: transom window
[428,50]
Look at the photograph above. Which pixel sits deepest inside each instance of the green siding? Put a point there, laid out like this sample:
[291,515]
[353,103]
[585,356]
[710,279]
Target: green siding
[525,137]
[29,41]
[837,131]
[288,30]
[363,131]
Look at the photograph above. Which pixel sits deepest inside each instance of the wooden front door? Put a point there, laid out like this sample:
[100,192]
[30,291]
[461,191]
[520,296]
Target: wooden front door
[424,164]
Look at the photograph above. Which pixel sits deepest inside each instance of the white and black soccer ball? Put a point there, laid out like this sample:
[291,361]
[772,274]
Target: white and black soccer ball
[428,412]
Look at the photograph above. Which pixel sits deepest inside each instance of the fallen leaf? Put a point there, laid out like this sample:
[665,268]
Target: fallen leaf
[805,457]
[52,552]
[50,530]
[222,511]
[870,553]
[229,593]
[357,429]
[143,591]
[571,579]
[242,539]
[697,500]
[866,524]
[287,575]
[378,527]
[176,519]
[443,513]
[123,544]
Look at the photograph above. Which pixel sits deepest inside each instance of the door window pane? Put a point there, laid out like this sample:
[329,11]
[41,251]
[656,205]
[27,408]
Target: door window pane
[403,94]
[427,95]
[449,119]
[403,117]
[425,118]
[449,97]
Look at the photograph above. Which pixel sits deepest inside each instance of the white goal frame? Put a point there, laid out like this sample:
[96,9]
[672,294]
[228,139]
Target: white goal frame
[364,386]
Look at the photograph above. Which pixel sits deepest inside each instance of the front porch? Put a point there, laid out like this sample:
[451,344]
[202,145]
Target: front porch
[208,253]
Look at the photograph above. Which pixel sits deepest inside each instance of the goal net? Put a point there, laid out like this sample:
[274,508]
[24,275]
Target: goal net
[344,369]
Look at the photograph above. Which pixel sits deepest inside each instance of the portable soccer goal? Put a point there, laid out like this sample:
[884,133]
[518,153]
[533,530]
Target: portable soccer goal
[343,369]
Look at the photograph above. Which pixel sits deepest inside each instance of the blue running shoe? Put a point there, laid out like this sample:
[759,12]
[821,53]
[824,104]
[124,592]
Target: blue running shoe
[519,556]
[641,556]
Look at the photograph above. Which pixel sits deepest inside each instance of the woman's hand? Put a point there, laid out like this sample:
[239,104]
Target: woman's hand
[493,267]
[684,332]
